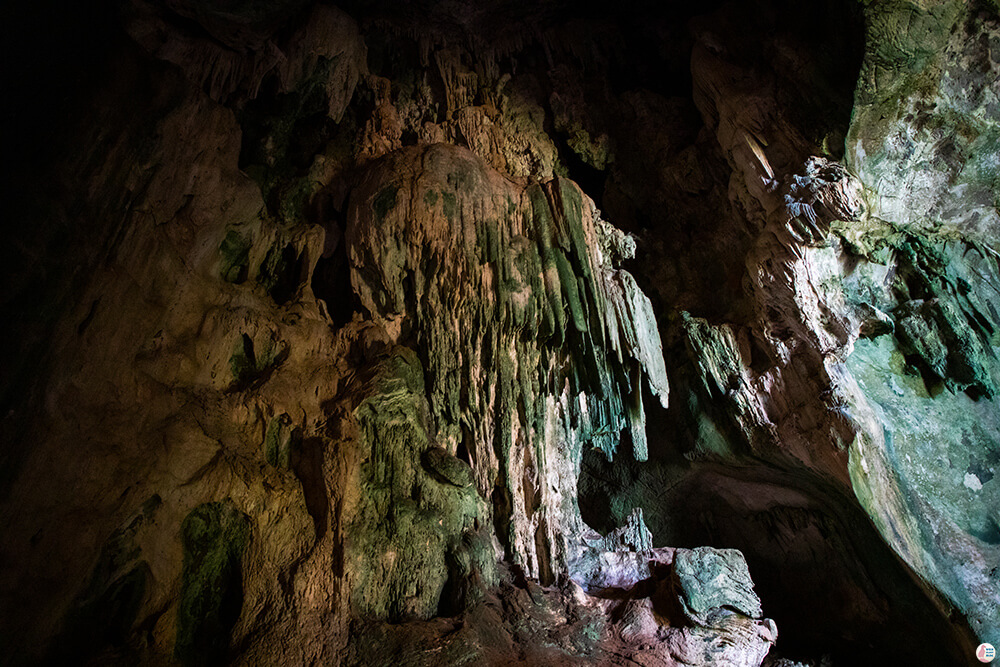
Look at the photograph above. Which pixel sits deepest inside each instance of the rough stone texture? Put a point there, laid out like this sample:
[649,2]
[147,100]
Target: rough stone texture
[925,135]
[932,166]
[535,344]
[319,351]
[787,360]
[325,446]
[694,607]
[710,579]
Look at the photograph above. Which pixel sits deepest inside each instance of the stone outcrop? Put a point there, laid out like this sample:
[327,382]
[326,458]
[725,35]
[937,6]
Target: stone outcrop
[535,345]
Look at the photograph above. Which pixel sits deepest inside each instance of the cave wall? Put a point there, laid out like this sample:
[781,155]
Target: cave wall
[327,341]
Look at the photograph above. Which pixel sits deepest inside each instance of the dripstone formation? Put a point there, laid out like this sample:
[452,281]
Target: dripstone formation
[344,334]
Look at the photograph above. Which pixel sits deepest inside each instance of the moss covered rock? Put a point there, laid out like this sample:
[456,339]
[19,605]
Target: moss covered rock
[214,537]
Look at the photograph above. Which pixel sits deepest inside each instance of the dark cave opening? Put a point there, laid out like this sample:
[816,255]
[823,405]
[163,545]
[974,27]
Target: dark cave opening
[700,514]
[331,282]
[836,590]
[589,178]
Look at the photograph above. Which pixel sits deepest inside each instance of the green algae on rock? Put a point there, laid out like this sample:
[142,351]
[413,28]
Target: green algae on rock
[531,336]
[410,540]
[924,134]
[214,538]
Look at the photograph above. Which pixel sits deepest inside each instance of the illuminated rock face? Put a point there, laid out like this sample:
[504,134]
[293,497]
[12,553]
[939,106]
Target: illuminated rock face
[321,351]
[873,292]
[535,344]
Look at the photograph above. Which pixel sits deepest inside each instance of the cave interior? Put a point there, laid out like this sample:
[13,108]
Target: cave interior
[436,332]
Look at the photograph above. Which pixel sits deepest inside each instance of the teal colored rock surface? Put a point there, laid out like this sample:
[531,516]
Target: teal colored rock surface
[279,441]
[924,135]
[924,140]
[712,579]
[414,547]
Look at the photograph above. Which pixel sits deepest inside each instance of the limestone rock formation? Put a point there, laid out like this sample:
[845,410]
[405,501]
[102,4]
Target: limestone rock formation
[342,334]
[708,579]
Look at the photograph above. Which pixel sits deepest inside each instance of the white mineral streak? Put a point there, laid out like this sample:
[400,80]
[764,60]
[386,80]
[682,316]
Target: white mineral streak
[972,482]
